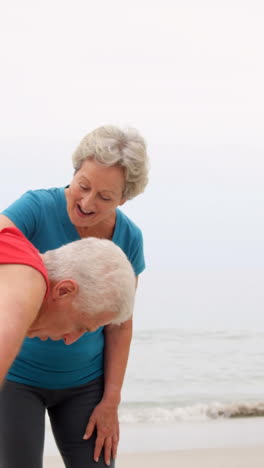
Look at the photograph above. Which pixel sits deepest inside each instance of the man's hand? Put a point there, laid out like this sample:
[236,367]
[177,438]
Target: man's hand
[105,419]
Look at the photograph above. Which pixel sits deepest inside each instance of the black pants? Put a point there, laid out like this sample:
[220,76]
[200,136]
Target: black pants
[22,424]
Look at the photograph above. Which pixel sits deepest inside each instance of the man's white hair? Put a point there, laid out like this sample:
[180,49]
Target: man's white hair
[103,273]
[112,146]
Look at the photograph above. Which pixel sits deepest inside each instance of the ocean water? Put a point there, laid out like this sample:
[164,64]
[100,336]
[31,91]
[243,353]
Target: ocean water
[182,375]
[189,388]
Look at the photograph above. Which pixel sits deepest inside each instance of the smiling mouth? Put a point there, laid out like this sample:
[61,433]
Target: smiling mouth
[86,213]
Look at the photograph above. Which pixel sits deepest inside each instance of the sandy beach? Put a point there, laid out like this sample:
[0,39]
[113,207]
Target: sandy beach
[237,443]
[252,457]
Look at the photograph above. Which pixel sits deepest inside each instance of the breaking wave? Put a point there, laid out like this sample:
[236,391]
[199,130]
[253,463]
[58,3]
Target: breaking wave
[142,413]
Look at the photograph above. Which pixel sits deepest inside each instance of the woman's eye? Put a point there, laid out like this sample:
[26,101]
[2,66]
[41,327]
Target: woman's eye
[105,198]
[83,187]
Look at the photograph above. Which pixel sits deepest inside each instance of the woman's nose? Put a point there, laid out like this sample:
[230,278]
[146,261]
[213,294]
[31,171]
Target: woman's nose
[88,201]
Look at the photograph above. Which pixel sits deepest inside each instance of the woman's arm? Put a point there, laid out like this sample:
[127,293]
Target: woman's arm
[105,415]
[117,345]
[5,222]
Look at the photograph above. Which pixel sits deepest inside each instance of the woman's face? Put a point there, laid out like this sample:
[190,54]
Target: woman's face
[94,193]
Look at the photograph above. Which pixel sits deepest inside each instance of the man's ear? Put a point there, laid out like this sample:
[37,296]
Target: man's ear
[64,290]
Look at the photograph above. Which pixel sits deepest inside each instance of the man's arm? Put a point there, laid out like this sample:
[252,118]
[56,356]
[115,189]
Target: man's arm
[22,290]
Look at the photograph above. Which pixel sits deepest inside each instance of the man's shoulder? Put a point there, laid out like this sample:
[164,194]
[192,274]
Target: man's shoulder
[17,276]
[16,250]
[15,245]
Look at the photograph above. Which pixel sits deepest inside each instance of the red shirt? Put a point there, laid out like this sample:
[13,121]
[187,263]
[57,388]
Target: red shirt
[16,249]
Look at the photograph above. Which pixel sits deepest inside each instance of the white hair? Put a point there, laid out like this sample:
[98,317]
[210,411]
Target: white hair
[112,146]
[103,273]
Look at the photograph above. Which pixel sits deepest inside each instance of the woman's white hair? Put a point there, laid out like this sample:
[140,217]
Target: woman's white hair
[103,273]
[112,146]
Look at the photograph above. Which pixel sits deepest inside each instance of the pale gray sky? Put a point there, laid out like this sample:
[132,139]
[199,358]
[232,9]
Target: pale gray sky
[189,75]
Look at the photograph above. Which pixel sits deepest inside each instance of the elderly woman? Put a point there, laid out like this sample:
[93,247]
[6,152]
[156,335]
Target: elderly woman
[79,385]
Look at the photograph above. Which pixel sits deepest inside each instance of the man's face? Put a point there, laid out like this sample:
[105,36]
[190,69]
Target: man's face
[58,323]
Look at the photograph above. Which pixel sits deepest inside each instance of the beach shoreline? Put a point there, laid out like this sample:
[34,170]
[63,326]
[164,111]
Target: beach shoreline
[231,443]
[239,457]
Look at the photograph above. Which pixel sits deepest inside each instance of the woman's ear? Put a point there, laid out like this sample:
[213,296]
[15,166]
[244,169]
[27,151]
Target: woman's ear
[64,289]
[122,201]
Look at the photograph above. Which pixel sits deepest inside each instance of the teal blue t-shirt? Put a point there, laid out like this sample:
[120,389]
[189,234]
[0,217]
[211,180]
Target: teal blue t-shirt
[42,216]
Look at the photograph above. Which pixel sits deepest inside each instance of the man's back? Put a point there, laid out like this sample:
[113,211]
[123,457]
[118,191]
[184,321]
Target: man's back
[22,290]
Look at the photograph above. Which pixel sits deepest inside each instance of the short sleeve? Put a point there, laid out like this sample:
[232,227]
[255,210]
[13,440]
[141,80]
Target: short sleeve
[136,254]
[25,213]
[128,237]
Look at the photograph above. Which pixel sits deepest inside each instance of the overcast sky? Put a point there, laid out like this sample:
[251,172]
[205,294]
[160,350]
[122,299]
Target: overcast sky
[189,75]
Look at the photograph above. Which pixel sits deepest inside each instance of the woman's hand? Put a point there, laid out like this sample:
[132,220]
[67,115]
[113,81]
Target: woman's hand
[105,419]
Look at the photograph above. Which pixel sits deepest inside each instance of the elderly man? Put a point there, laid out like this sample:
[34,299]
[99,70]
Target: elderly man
[61,294]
